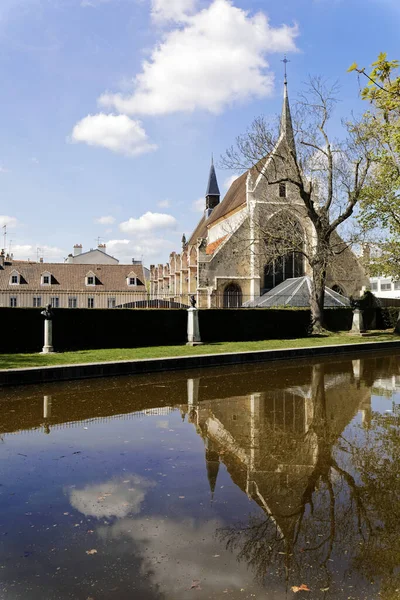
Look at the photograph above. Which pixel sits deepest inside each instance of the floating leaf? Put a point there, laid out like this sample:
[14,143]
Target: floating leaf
[301,588]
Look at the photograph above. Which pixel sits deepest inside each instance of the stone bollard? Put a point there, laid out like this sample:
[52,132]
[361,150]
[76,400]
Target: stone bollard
[48,337]
[358,323]
[48,330]
[193,331]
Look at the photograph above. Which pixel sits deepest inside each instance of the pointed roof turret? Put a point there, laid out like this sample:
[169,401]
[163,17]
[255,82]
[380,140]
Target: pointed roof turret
[212,187]
[212,465]
[286,126]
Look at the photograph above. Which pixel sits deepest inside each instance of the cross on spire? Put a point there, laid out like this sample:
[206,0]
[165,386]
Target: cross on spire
[285,62]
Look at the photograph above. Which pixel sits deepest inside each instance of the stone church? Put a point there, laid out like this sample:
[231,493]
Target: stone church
[222,263]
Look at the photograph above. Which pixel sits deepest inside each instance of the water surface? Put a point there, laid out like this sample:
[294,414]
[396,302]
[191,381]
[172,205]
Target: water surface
[235,483]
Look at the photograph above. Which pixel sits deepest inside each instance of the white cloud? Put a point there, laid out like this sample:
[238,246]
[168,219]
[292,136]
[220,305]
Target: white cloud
[148,248]
[148,222]
[199,205]
[3,169]
[48,253]
[109,220]
[113,498]
[216,58]
[118,133]
[164,204]
[171,10]
[11,222]
[228,182]
[194,553]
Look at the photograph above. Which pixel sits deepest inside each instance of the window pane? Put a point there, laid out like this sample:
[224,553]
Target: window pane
[55,302]
[46,279]
[13,301]
[90,302]
[72,302]
[278,271]
[397,285]
[132,281]
[14,278]
[90,280]
[289,266]
[268,277]
[111,303]
[298,265]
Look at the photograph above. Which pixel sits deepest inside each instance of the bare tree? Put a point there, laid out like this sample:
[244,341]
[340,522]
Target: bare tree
[326,177]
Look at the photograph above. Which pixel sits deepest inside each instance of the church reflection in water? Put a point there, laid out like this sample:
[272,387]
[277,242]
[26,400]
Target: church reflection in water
[301,440]
[291,450]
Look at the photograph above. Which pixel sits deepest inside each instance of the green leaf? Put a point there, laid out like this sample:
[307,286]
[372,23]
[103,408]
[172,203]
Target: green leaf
[352,67]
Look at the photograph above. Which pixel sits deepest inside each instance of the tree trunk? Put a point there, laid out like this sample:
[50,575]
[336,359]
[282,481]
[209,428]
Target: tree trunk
[317,298]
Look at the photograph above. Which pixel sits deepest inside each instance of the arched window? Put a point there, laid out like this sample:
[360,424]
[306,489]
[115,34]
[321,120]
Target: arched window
[338,289]
[232,296]
[289,264]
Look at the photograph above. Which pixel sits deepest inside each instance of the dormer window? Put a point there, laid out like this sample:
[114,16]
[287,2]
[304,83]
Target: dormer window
[90,279]
[131,279]
[282,190]
[46,279]
[15,278]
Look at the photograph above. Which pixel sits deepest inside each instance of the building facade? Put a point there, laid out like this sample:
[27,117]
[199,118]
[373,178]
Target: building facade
[221,262]
[105,284]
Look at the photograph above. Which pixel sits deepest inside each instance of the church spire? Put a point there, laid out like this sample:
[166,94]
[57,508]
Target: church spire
[212,192]
[212,465]
[286,126]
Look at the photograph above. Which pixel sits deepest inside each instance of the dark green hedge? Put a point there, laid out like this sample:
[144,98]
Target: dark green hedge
[78,329]
[218,325]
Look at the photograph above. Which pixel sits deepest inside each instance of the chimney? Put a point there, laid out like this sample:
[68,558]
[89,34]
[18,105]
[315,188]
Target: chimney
[41,259]
[2,259]
[102,247]
[136,262]
[77,249]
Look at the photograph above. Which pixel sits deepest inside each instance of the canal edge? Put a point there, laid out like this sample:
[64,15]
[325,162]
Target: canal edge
[72,372]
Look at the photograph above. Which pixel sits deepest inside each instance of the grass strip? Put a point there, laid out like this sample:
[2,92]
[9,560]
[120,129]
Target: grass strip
[15,361]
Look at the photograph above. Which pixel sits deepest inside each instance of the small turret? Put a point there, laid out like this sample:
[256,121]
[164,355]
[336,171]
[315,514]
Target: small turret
[212,194]
[212,465]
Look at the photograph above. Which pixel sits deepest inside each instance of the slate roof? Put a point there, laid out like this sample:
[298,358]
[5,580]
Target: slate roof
[212,187]
[234,198]
[70,277]
[199,232]
[296,292]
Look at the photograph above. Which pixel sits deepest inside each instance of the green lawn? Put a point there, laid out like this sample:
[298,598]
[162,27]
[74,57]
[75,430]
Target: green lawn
[12,361]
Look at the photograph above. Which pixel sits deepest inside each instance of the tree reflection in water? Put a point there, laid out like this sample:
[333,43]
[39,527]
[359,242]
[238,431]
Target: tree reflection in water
[330,493]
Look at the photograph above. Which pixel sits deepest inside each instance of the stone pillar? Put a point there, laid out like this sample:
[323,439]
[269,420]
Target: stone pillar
[46,407]
[48,337]
[358,323]
[193,392]
[193,331]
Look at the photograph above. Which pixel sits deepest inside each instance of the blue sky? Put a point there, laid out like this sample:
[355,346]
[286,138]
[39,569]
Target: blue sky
[110,109]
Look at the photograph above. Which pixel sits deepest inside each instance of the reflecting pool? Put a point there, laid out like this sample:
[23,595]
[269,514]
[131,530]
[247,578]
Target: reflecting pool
[265,482]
